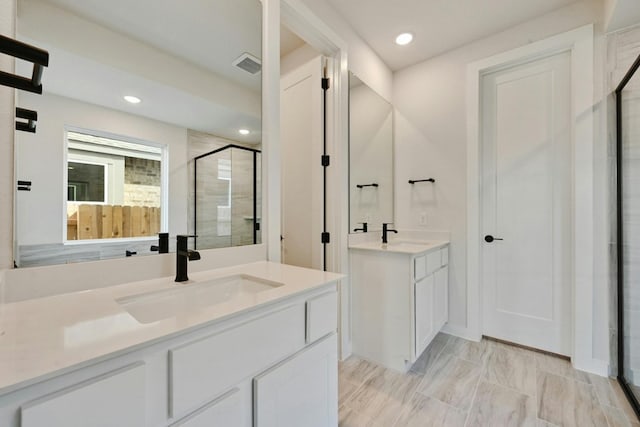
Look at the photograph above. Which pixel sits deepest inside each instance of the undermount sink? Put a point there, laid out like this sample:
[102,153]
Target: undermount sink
[185,298]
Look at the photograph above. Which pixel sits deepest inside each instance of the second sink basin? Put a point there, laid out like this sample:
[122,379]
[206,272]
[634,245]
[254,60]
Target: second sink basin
[157,305]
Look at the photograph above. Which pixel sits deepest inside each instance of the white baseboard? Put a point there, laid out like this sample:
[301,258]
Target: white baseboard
[461,332]
[594,366]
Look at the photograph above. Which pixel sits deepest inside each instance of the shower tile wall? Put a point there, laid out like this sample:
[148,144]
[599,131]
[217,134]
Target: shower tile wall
[211,189]
[623,49]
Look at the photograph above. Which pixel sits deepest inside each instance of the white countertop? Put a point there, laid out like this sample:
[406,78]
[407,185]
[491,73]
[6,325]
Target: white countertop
[408,247]
[44,337]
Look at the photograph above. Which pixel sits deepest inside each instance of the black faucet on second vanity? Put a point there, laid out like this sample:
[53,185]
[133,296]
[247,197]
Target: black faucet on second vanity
[364,228]
[385,230]
[183,255]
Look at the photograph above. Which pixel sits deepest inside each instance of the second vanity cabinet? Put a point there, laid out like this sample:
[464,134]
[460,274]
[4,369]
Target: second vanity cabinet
[400,300]
[276,365]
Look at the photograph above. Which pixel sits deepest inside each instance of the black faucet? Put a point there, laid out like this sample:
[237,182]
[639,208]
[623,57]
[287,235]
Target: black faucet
[184,254]
[386,230]
[163,244]
[363,229]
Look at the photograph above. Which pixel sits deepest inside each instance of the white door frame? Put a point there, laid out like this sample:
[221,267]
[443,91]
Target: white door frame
[579,43]
[299,18]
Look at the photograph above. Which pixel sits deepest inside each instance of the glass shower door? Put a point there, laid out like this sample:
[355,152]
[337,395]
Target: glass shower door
[628,164]
[227,197]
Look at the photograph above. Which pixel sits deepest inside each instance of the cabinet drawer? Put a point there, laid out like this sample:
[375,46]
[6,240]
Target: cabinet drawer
[227,410]
[434,261]
[445,256]
[419,267]
[114,399]
[322,316]
[204,369]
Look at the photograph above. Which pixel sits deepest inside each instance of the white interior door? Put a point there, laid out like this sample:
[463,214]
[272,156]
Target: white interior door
[302,129]
[526,191]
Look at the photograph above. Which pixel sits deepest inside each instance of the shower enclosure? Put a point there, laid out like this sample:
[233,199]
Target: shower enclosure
[628,234]
[226,197]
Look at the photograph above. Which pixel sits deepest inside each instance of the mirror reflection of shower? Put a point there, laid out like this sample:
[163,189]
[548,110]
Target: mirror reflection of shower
[226,197]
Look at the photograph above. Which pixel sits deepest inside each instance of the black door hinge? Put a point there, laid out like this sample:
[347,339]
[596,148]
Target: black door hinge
[326,238]
[325,160]
[325,83]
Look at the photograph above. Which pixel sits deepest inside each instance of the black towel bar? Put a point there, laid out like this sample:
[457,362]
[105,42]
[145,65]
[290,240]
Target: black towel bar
[39,58]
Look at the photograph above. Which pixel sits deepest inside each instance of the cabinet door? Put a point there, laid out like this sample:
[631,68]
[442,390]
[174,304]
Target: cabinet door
[441,299]
[423,313]
[302,391]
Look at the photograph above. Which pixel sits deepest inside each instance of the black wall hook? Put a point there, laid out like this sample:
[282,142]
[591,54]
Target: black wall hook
[30,116]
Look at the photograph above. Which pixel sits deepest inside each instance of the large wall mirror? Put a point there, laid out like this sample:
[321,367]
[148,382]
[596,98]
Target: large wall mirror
[134,93]
[370,157]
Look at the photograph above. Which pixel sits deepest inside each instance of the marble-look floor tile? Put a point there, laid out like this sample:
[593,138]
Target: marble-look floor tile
[471,351]
[543,423]
[566,402]
[495,405]
[621,401]
[442,337]
[558,366]
[357,370]
[345,388]
[383,395]
[617,418]
[604,390]
[512,369]
[451,380]
[423,411]
[350,418]
[430,354]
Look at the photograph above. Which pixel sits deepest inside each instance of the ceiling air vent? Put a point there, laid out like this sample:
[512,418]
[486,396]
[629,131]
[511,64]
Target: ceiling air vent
[248,62]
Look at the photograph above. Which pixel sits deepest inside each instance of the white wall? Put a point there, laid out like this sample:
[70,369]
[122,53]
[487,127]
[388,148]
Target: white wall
[40,159]
[297,58]
[363,61]
[430,138]
[370,158]
[7,109]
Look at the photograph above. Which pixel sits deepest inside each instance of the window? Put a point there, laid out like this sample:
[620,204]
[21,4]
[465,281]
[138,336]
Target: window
[114,187]
[86,182]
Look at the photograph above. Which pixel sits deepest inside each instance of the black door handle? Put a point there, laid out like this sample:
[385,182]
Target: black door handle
[489,238]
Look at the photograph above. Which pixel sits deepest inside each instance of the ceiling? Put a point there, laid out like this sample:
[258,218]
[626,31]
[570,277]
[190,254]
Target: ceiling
[438,25]
[211,34]
[289,41]
[183,73]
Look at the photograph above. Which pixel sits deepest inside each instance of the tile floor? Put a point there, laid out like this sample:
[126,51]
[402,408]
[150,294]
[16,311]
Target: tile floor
[462,383]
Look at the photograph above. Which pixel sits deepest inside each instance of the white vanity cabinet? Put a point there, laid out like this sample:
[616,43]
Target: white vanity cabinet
[272,363]
[400,300]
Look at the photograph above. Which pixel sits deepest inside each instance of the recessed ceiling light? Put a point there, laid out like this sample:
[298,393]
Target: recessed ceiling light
[404,38]
[132,99]
[244,132]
